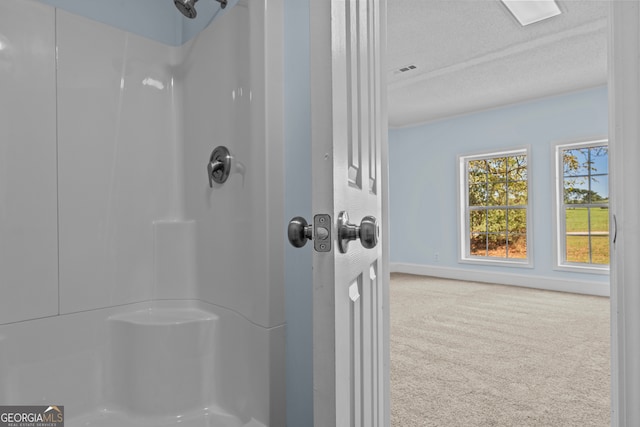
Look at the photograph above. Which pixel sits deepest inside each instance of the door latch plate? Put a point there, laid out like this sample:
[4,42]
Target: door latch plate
[322,233]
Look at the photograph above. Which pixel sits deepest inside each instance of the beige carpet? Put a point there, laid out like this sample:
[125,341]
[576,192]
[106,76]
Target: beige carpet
[471,354]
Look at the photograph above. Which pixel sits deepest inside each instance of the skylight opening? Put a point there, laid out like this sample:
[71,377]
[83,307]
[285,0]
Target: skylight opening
[531,11]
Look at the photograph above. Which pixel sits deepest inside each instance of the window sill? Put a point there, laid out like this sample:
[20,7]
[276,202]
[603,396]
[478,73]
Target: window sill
[498,262]
[587,269]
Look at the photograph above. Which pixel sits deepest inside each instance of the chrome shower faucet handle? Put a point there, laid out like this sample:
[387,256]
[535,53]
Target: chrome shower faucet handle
[219,166]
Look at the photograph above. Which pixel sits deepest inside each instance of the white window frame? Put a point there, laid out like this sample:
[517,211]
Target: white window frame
[464,255]
[559,222]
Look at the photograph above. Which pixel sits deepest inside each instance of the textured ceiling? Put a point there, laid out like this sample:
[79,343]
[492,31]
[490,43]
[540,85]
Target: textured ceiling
[472,55]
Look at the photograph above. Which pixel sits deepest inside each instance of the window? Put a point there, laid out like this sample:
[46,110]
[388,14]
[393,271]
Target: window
[494,197]
[582,206]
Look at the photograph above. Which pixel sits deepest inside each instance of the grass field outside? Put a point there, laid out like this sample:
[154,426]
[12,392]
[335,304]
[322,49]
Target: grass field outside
[577,238]
[578,219]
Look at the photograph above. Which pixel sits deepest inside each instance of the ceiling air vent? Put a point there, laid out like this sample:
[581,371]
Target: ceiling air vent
[404,69]
[407,68]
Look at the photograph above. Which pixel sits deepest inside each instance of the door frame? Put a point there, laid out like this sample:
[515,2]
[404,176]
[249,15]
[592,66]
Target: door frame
[624,144]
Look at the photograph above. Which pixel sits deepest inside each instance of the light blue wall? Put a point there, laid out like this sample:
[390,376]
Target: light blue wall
[422,171]
[155,19]
[298,275]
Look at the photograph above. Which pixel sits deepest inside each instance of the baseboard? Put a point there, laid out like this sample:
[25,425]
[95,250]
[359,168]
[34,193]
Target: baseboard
[537,282]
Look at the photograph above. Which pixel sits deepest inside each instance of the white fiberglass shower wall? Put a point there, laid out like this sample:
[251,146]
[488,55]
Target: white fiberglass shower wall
[131,291]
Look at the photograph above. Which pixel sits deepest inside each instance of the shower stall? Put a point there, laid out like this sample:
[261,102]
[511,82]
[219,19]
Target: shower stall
[134,290]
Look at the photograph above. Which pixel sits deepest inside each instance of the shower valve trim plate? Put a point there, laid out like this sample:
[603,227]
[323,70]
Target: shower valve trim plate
[219,166]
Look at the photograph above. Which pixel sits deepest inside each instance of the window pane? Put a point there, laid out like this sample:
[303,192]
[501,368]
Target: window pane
[577,220]
[577,248]
[600,220]
[517,246]
[478,244]
[599,189]
[497,220]
[497,244]
[517,221]
[517,170]
[576,190]
[518,193]
[600,249]
[498,194]
[478,221]
[497,167]
[575,162]
[477,170]
[478,195]
[599,160]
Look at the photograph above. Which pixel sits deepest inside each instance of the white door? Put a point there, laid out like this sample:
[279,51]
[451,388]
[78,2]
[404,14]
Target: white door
[349,137]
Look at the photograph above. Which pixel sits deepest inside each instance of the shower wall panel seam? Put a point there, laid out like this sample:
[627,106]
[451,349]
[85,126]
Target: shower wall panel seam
[55,46]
